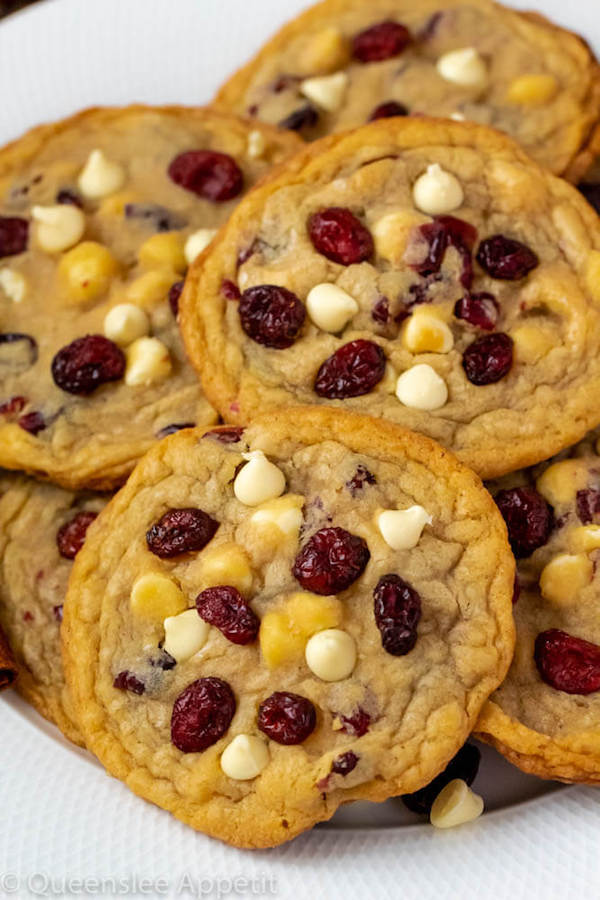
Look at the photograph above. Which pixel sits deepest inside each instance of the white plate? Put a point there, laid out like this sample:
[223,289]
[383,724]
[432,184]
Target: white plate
[60,816]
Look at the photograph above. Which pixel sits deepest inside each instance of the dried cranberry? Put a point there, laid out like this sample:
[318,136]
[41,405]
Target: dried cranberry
[32,422]
[505,258]
[287,718]
[330,561]
[397,612]
[14,235]
[528,518]
[381,41]
[488,359]
[271,315]
[127,681]
[464,765]
[175,426]
[67,197]
[356,724]
[175,292]
[388,110]
[230,290]
[591,192]
[444,232]
[431,27]
[226,434]
[588,505]
[202,714]
[244,255]
[206,173]
[71,535]
[567,663]
[304,117]
[480,310]
[340,236]
[225,608]
[351,371]
[19,351]
[180,531]
[58,612]
[283,82]
[158,217]
[344,764]
[13,406]
[361,477]
[381,311]
[86,363]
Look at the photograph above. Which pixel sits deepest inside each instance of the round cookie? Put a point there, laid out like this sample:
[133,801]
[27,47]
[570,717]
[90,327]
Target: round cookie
[418,270]
[344,62]
[41,530]
[545,717]
[99,216]
[352,589]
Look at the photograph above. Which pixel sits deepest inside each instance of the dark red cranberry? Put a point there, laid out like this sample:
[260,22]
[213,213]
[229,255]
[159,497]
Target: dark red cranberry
[13,406]
[464,765]
[180,531]
[175,292]
[444,232]
[127,681]
[163,660]
[356,724]
[175,426]
[480,310]
[69,198]
[388,110]
[431,27]
[381,41]
[225,608]
[158,217]
[340,236]
[381,311]
[283,82]
[488,359]
[330,561]
[304,117]
[591,192]
[206,173]
[58,612]
[86,363]
[271,315]
[567,663]
[27,617]
[588,505]
[71,535]
[244,255]
[351,371]
[14,235]
[226,434]
[397,612]
[505,258]
[202,714]
[230,290]
[32,422]
[287,718]
[344,764]
[528,517]
[20,351]
[361,477]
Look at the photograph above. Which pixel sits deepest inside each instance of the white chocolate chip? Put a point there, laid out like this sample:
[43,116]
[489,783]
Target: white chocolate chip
[458,117]
[259,480]
[126,322]
[436,191]
[245,757]
[257,144]
[185,635]
[285,513]
[148,361]
[330,308]
[455,805]
[58,227]
[464,67]
[13,284]
[421,388]
[424,332]
[100,176]
[326,91]
[401,529]
[331,654]
[197,242]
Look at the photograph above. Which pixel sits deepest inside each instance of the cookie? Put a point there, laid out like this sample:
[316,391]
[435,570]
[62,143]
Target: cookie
[267,623]
[345,62]
[99,217]
[545,717]
[589,184]
[418,270]
[8,669]
[42,528]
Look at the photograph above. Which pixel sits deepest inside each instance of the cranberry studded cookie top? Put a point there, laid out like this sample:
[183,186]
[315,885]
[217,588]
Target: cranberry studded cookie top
[422,271]
[283,605]
[546,716]
[343,63]
[100,216]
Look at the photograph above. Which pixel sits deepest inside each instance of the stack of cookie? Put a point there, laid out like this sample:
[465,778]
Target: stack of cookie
[303,594]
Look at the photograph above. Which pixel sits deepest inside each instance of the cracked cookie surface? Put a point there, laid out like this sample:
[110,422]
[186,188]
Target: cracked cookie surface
[251,681]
